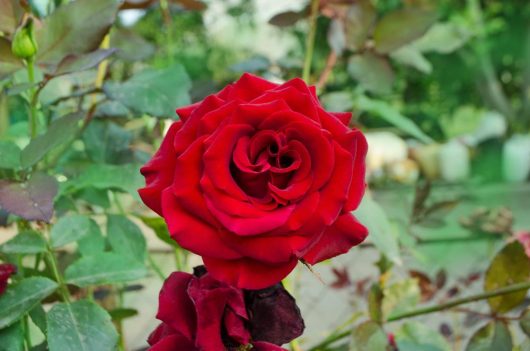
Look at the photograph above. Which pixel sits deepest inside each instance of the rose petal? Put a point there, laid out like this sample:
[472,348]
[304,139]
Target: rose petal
[345,233]
[193,233]
[159,171]
[175,307]
[247,273]
[274,315]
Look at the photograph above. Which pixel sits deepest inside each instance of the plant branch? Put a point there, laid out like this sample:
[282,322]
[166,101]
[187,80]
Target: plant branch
[324,76]
[431,309]
[310,42]
[461,301]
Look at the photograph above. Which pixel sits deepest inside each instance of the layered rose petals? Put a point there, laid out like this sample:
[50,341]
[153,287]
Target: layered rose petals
[6,271]
[200,313]
[257,177]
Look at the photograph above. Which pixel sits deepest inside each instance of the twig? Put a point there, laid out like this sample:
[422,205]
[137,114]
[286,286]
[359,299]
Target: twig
[324,76]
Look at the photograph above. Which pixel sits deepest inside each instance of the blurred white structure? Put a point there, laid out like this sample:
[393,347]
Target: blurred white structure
[516,158]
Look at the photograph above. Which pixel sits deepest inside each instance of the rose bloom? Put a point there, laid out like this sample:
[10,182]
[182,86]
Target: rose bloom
[203,314]
[257,177]
[6,271]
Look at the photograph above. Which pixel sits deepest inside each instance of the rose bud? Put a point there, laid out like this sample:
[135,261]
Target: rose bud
[6,271]
[24,45]
[257,177]
[199,313]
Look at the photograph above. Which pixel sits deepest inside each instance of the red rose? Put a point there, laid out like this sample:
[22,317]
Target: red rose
[203,314]
[256,177]
[6,270]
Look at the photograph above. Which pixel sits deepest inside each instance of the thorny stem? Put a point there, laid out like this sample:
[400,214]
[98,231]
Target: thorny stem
[33,99]
[431,309]
[310,42]
[52,263]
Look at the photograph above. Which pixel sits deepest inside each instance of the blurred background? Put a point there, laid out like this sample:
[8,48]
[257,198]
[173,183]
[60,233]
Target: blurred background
[441,89]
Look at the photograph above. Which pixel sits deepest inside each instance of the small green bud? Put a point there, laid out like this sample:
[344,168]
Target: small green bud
[24,45]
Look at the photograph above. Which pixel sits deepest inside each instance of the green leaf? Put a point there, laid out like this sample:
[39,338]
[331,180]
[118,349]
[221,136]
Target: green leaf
[392,116]
[524,322]
[31,200]
[119,314]
[12,338]
[493,336]
[77,27]
[401,297]
[443,38]
[155,92]
[159,226]
[131,46]
[21,297]
[373,72]
[69,229]
[8,62]
[126,238]
[77,63]
[375,303]
[415,336]
[368,336]
[510,266]
[92,243]
[359,22]
[104,268]
[400,27]
[409,55]
[100,176]
[382,233]
[26,242]
[10,13]
[38,316]
[9,155]
[107,142]
[60,131]
[80,326]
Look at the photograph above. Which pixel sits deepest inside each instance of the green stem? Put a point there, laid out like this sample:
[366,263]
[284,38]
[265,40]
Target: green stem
[460,301]
[310,43]
[155,267]
[33,100]
[27,335]
[179,259]
[431,309]
[52,263]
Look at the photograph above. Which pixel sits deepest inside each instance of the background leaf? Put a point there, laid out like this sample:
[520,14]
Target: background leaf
[415,336]
[382,233]
[12,338]
[69,229]
[373,72]
[8,62]
[392,116]
[104,268]
[26,242]
[81,62]
[60,131]
[81,325]
[31,200]
[368,336]
[74,28]
[21,297]
[493,336]
[9,155]
[153,91]
[126,238]
[510,266]
[401,27]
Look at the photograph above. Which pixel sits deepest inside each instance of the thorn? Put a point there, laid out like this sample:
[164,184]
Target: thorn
[304,262]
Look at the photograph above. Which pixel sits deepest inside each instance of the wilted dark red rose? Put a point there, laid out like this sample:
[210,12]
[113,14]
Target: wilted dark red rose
[256,177]
[203,314]
[6,270]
